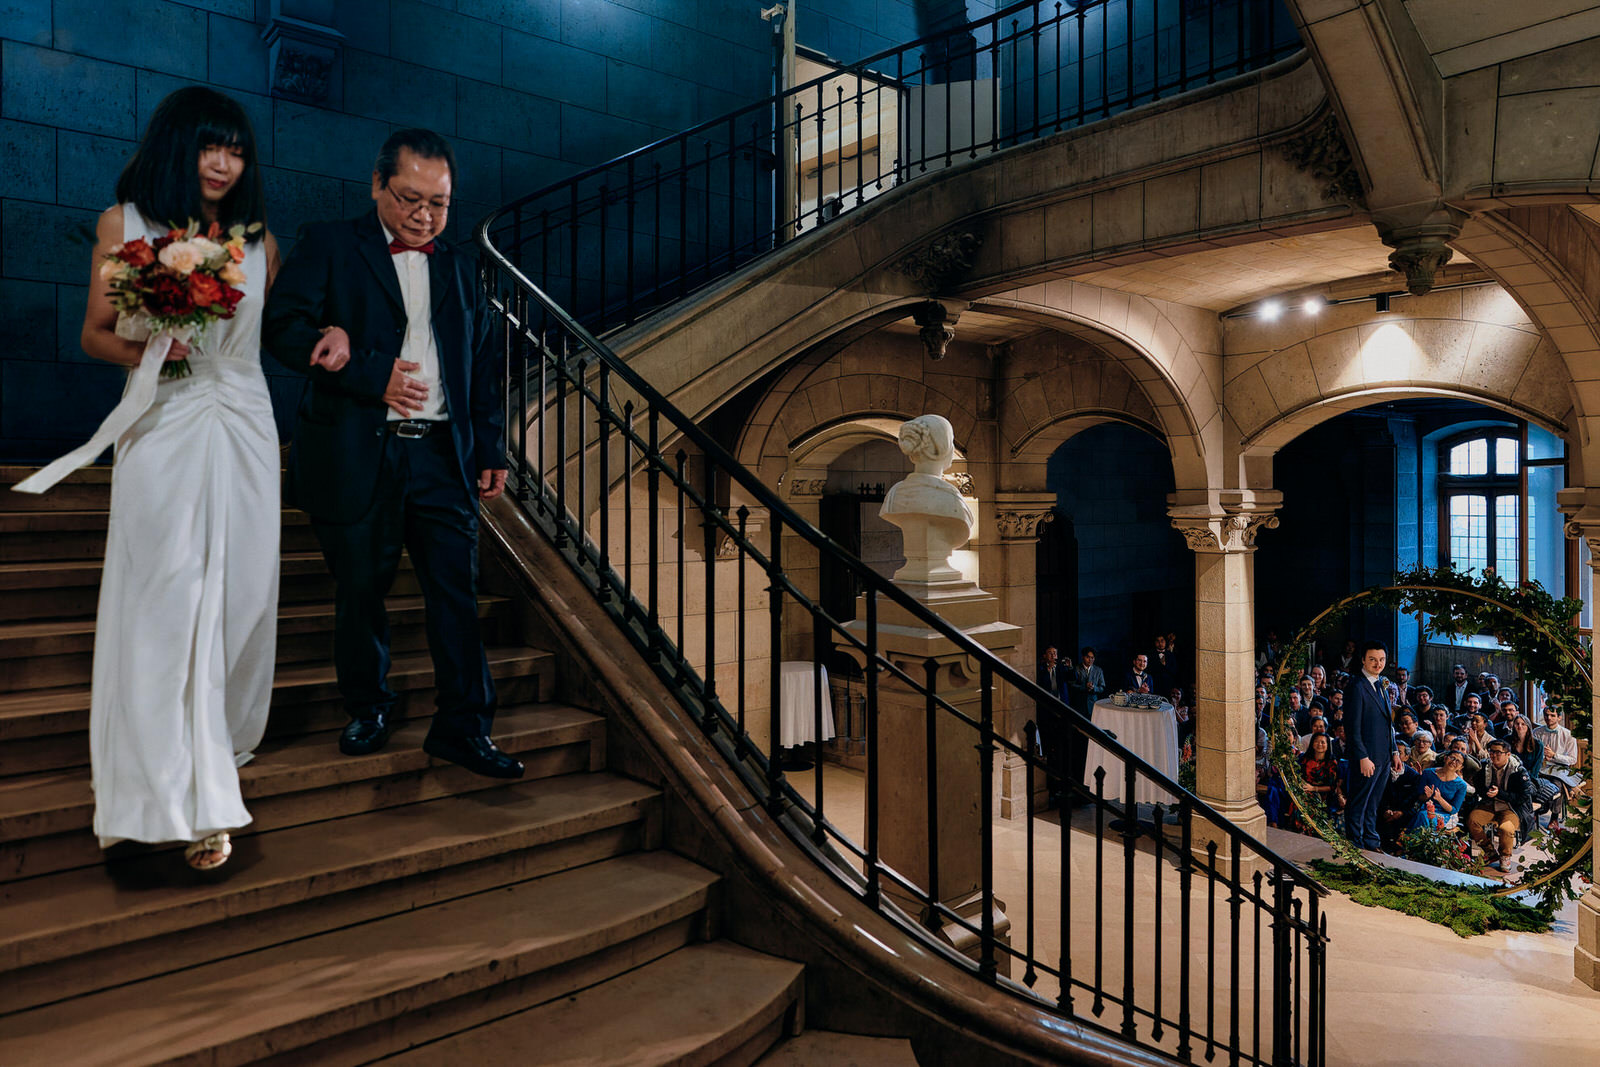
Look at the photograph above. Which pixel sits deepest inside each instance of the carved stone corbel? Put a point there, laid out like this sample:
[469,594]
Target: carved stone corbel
[1322,152]
[941,261]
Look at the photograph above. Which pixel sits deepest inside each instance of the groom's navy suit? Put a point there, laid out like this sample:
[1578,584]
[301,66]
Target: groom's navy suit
[370,491]
[1369,733]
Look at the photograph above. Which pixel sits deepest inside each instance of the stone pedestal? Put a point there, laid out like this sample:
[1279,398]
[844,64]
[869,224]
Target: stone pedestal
[956,782]
[1223,540]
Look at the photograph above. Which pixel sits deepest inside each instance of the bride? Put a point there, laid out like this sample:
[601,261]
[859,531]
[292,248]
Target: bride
[186,635]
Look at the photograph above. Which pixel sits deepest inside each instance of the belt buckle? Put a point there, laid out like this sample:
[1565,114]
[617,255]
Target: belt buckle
[411,429]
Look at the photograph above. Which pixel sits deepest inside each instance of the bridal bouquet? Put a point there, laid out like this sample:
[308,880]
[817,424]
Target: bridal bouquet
[177,284]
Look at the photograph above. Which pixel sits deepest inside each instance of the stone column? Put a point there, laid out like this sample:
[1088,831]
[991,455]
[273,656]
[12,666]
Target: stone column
[1018,517]
[1223,540]
[1584,522]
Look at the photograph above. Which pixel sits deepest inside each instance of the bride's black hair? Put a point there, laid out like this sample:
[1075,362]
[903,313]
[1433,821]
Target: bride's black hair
[163,178]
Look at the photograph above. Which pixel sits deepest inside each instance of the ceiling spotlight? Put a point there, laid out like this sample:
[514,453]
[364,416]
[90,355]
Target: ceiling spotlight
[1381,301]
[1271,309]
[1312,305]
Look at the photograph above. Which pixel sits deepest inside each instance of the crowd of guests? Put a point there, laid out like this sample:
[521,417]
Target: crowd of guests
[1461,757]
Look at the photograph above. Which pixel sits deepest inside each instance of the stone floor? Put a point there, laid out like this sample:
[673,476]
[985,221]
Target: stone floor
[1400,990]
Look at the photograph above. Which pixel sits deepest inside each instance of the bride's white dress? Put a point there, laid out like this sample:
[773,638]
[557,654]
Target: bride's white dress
[187,630]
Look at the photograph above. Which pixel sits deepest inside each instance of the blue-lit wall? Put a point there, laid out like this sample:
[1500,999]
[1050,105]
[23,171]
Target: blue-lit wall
[528,90]
[1135,573]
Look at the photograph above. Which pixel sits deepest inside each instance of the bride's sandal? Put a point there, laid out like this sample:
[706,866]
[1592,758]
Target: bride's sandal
[209,853]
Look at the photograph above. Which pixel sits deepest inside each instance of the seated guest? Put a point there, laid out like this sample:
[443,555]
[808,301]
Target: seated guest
[1307,690]
[1560,747]
[1444,790]
[1502,804]
[1524,746]
[1298,714]
[1336,739]
[1422,754]
[1089,680]
[1401,797]
[1262,698]
[1470,706]
[1436,719]
[1405,727]
[1346,660]
[1423,707]
[1469,762]
[1478,736]
[1319,728]
[1138,679]
[1320,769]
[1319,678]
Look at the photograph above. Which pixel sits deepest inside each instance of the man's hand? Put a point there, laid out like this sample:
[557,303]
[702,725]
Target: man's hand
[1367,768]
[491,484]
[1492,792]
[333,351]
[405,395]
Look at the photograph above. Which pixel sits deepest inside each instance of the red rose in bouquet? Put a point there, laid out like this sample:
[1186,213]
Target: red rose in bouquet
[137,253]
[204,290]
[167,297]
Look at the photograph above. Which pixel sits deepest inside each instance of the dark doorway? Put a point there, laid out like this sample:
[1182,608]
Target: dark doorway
[839,517]
[1056,587]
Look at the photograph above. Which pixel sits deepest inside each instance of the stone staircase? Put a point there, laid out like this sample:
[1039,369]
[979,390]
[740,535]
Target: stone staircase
[383,907]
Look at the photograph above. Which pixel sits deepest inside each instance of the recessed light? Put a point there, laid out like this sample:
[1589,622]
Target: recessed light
[1271,309]
[1313,304]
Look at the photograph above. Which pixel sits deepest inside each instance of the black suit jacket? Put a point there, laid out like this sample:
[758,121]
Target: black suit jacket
[341,274]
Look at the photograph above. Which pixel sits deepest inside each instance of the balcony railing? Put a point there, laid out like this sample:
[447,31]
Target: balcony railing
[643,230]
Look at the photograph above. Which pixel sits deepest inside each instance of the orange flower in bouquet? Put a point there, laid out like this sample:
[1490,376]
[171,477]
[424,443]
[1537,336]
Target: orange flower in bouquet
[178,284]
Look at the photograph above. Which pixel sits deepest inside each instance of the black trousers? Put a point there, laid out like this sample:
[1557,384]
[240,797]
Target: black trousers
[421,505]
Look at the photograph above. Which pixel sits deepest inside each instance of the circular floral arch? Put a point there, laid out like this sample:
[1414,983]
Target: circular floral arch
[1537,628]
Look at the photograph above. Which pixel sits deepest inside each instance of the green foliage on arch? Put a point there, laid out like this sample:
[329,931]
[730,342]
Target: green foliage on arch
[1540,630]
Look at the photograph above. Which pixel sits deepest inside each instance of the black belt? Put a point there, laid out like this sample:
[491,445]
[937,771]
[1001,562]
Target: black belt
[411,429]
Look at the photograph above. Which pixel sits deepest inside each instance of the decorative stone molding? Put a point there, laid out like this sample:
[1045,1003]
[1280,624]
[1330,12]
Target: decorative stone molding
[1323,153]
[963,482]
[808,486]
[303,51]
[1248,526]
[937,327]
[1022,525]
[1202,535]
[941,261]
[1419,259]
[755,522]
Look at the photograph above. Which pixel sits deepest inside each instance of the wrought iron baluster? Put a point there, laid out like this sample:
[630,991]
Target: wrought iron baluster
[930,669]
[987,966]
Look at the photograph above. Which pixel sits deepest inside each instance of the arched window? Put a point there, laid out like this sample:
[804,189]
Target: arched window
[1479,489]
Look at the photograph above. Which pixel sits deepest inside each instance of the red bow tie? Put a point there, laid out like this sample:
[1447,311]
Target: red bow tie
[396,247]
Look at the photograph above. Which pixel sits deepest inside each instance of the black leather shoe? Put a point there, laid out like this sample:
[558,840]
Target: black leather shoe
[363,737]
[477,754]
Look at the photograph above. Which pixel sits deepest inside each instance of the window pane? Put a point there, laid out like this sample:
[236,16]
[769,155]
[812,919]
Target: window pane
[1478,456]
[1469,532]
[1505,537]
[1547,555]
[1542,444]
[1458,459]
[1505,458]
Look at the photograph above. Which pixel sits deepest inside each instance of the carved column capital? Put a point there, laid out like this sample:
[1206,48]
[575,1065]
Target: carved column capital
[936,321]
[1582,519]
[1018,516]
[1421,240]
[1230,526]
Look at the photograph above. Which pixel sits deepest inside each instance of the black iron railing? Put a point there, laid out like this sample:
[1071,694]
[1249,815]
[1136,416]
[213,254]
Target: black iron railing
[636,233]
[1195,950]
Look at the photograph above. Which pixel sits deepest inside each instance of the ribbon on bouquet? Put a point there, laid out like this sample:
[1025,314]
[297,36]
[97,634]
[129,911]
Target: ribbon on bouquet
[136,400]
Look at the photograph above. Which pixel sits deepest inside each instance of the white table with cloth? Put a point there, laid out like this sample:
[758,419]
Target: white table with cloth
[1149,733]
[796,720]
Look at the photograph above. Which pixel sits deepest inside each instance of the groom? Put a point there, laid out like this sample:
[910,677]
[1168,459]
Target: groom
[400,434]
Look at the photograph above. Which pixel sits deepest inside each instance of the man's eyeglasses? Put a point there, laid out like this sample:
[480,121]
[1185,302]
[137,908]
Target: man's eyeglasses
[414,205]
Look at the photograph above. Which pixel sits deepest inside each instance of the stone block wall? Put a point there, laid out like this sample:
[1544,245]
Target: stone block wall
[528,92]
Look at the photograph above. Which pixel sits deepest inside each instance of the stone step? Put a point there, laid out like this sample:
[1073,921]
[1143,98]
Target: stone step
[716,1003]
[86,490]
[67,589]
[46,729]
[816,1047]
[47,653]
[45,818]
[67,535]
[71,933]
[355,994]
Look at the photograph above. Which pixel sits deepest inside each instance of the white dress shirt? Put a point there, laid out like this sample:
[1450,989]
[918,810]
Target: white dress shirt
[418,346]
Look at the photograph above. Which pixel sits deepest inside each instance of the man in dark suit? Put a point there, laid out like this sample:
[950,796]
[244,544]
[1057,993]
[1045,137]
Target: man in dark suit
[1452,694]
[400,434]
[1053,679]
[1138,679]
[1369,740]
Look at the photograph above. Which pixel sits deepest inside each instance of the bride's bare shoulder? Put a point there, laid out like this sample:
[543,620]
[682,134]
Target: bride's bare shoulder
[109,227]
